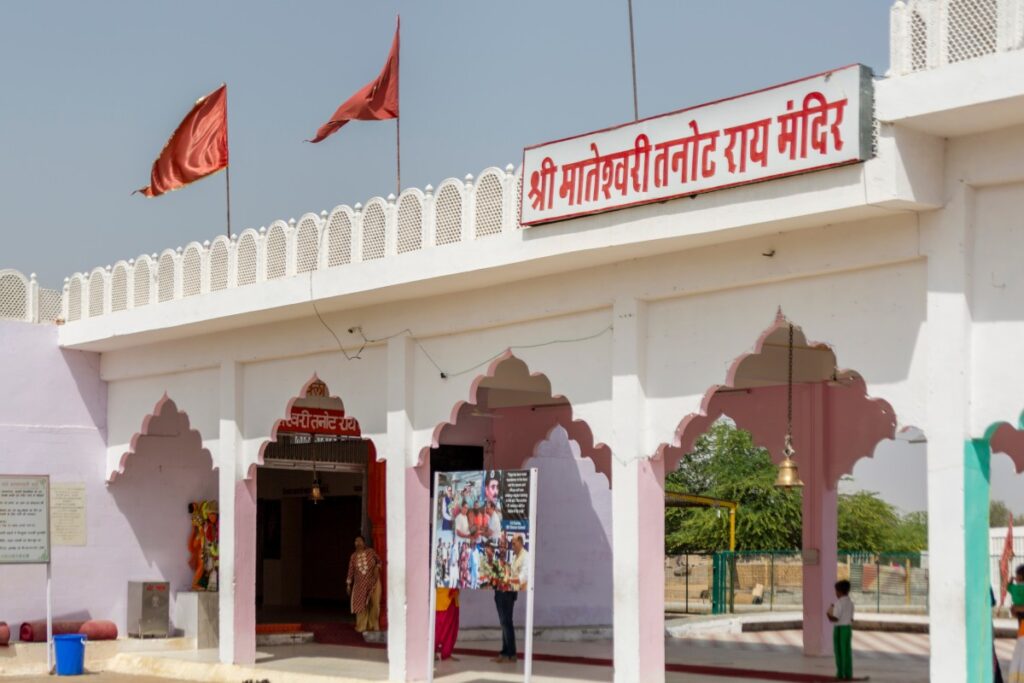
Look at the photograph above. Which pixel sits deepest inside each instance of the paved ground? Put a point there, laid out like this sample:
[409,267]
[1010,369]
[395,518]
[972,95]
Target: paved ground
[886,657]
[92,678]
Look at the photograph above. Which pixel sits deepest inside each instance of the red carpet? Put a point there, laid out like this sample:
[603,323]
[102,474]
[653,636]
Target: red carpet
[340,633]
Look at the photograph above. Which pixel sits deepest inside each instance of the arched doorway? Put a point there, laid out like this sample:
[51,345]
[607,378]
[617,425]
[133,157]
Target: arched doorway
[165,471]
[514,420]
[835,423]
[318,486]
[982,572]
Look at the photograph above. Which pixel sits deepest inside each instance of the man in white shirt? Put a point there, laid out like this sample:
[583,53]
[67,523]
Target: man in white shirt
[840,614]
[505,600]
[462,528]
[493,521]
[520,563]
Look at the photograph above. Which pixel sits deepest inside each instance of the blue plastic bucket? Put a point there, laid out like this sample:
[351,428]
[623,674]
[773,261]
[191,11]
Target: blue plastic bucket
[70,650]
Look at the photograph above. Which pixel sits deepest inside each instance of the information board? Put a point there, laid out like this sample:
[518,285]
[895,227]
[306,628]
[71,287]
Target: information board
[481,517]
[24,519]
[67,514]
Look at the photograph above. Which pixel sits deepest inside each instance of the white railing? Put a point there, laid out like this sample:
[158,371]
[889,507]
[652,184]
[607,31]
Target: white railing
[926,34]
[460,211]
[21,298]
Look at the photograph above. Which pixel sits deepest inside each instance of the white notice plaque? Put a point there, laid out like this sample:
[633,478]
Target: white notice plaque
[24,519]
[67,514]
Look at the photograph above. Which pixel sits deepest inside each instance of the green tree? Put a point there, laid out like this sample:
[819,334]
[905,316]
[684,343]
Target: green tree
[866,522]
[726,464]
[911,534]
[998,513]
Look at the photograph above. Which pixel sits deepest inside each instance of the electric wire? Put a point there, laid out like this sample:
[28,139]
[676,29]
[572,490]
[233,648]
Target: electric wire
[407,331]
[341,347]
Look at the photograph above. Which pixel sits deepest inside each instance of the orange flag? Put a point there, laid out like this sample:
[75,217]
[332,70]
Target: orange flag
[198,147]
[1004,561]
[376,101]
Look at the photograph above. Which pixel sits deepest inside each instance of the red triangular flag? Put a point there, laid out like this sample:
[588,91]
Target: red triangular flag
[1004,561]
[376,101]
[198,147]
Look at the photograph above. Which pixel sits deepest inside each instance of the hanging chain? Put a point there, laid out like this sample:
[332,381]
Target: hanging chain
[789,394]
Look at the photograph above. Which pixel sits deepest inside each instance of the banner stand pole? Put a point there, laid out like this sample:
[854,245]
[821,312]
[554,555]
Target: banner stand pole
[49,619]
[433,584]
[528,662]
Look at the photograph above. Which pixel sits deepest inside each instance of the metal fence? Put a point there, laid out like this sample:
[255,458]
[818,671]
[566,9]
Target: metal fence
[747,581]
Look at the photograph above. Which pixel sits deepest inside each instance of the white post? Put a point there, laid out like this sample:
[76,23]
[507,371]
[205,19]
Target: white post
[947,243]
[637,511]
[531,576]
[400,635]
[433,584]
[234,647]
[49,615]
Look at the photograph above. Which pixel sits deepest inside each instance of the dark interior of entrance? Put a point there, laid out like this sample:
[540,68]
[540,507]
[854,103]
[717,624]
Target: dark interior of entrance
[448,458]
[302,545]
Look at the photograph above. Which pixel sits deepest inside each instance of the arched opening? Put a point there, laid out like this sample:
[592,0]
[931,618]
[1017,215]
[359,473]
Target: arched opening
[166,487]
[835,424]
[992,503]
[319,485]
[513,420]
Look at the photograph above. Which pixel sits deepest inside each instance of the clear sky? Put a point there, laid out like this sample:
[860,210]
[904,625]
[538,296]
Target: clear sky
[92,90]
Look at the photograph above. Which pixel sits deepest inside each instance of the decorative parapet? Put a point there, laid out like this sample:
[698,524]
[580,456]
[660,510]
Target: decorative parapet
[927,34]
[460,211]
[21,298]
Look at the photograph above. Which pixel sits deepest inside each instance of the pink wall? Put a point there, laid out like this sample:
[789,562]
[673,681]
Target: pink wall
[168,469]
[53,421]
[574,508]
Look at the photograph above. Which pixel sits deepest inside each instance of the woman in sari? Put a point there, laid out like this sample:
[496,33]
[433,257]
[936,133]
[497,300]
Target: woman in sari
[363,586]
[446,622]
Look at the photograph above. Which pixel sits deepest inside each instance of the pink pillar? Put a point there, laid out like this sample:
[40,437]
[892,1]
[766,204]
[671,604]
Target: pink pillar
[245,571]
[819,522]
[651,579]
[417,564]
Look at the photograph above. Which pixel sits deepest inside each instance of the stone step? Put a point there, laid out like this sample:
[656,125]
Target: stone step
[293,638]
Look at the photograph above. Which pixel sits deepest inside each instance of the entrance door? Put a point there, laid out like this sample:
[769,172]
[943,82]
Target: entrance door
[329,530]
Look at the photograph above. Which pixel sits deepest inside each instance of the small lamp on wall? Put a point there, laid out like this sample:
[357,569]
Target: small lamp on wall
[315,494]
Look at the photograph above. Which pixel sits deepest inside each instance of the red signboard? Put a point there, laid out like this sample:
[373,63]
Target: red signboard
[305,420]
[815,123]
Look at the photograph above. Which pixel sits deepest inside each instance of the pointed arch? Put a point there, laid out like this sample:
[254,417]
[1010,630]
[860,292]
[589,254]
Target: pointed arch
[508,370]
[867,420]
[164,421]
[1005,438]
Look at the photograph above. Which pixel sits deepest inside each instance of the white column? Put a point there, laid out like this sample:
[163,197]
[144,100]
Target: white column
[946,239]
[407,545]
[236,501]
[638,519]
[820,522]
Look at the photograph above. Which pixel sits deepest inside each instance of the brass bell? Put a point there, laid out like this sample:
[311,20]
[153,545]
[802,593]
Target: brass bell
[315,494]
[788,476]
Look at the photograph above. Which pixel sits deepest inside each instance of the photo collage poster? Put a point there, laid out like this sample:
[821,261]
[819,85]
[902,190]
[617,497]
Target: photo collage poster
[479,517]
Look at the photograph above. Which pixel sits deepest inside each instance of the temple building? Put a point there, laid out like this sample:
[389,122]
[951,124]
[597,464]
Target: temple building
[829,262]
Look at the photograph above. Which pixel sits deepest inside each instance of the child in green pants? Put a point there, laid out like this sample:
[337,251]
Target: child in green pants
[840,614]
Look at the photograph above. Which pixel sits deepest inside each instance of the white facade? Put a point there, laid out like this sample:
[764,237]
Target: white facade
[907,265]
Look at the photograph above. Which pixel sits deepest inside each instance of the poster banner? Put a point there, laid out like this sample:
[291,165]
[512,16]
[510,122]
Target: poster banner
[483,528]
[24,519]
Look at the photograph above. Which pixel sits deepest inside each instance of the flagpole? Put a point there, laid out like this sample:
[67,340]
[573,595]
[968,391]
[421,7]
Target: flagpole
[398,119]
[227,188]
[632,55]
[227,169]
